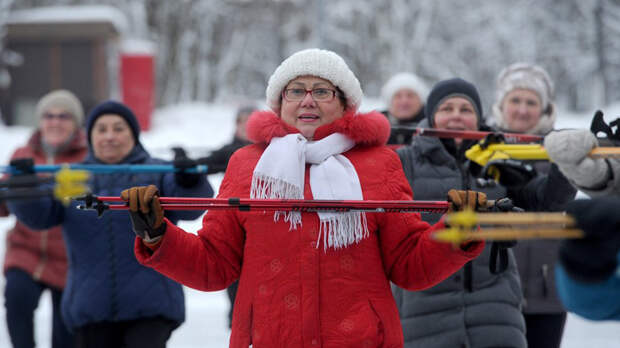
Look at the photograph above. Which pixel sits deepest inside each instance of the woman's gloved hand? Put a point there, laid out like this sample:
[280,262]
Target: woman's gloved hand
[24,166]
[463,199]
[145,211]
[569,149]
[182,163]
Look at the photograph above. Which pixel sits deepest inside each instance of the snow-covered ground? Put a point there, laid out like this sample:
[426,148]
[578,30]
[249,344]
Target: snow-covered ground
[199,127]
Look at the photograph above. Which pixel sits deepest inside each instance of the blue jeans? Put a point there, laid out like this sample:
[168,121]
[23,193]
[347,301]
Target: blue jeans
[21,298]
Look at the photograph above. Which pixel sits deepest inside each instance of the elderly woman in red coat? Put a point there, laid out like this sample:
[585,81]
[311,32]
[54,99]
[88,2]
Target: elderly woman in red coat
[306,279]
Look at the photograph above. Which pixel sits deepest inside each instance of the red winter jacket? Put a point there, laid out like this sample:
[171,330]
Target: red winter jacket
[291,292]
[41,253]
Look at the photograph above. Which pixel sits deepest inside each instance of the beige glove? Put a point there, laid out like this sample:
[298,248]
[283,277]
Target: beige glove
[569,149]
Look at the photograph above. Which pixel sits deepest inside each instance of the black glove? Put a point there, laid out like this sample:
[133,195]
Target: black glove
[24,166]
[499,250]
[509,172]
[145,211]
[593,258]
[182,162]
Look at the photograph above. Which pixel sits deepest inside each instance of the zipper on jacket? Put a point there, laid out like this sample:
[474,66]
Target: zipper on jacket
[38,271]
[545,274]
[468,274]
[112,273]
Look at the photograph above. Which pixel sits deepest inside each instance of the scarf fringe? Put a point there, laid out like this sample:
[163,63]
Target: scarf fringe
[264,187]
[343,229]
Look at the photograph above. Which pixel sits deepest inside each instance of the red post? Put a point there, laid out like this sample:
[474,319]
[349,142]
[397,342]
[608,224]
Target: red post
[138,85]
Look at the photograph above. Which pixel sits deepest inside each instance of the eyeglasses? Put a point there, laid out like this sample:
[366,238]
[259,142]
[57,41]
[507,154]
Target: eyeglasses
[318,94]
[61,116]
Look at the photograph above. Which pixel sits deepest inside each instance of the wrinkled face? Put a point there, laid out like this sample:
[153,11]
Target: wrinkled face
[57,126]
[308,114]
[456,113]
[111,138]
[405,104]
[521,109]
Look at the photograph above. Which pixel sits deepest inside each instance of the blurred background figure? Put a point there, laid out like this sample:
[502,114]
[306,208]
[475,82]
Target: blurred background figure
[217,161]
[524,104]
[36,260]
[404,94]
[110,300]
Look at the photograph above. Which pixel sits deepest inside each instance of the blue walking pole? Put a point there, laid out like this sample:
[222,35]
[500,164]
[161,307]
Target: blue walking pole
[111,168]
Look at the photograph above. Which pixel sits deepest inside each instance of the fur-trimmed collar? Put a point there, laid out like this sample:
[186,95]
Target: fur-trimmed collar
[367,129]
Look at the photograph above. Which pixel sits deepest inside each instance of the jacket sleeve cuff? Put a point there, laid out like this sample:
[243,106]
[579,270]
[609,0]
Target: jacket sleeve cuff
[468,249]
[147,252]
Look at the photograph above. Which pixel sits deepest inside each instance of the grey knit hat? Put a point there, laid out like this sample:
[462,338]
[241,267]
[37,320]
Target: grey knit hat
[62,99]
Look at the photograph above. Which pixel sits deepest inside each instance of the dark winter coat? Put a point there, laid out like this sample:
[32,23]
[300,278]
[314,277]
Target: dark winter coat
[217,161]
[105,282]
[402,136]
[473,307]
[292,292]
[536,259]
[41,253]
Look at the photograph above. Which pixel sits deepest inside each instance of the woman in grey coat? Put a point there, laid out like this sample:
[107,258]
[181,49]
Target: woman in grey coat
[474,307]
[524,104]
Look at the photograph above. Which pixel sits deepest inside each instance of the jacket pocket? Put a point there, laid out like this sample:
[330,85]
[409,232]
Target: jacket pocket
[362,327]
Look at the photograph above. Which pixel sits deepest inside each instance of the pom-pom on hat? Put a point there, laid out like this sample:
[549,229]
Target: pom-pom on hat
[404,80]
[315,62]
[61,99]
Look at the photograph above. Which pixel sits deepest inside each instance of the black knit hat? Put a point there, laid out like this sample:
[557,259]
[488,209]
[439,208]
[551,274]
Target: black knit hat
[455,87]
[115,108]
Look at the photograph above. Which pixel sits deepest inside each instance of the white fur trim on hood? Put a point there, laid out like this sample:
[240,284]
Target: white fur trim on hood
[314,62]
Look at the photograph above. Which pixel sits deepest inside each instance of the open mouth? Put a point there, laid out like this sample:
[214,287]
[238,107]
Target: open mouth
[308,118]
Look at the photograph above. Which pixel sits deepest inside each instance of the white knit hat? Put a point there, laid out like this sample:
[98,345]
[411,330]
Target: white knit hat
[531,77]
[62,99]
[314,62]
[404,80]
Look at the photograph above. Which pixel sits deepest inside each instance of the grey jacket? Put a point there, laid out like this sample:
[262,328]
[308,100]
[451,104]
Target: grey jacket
[472,308]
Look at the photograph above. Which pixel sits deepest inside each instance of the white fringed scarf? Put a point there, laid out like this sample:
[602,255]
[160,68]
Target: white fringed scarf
[280,172]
